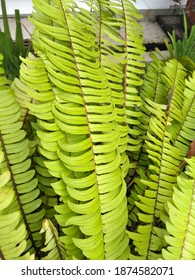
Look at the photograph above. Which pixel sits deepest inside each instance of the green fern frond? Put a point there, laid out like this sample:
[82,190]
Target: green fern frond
[185,132]
[120,41]
[181,224]
[15,147]
[133,73]
[174,77]
[45,179]
[112,57]
[165,164]
[53,246]
[47,165]
[9,229]
[45,127]
[136,188]
[85,113]
[154,90]
[12,233]
[20,87]
[35,104]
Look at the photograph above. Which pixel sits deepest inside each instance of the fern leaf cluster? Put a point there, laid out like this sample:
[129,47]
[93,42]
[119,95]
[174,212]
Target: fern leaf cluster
[166,145]
[93,144]
[20,199]
[82,151]
[180,225]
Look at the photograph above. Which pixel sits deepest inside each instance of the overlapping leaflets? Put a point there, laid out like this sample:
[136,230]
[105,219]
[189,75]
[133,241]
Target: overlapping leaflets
[167,144]
[181,221]
[88,116]
[91,160]
[20,204]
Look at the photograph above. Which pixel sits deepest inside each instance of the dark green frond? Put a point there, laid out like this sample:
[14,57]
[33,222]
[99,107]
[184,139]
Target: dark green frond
[184,47]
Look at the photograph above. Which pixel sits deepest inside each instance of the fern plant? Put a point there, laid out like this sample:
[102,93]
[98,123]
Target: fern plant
[184,49]
[20,201]
[94,143]
[180,224]
[12,50]
[167,144]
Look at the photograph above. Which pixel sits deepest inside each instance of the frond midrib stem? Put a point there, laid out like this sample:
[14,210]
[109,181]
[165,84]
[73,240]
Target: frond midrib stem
[167,114]
[84,103]
[17,195]
[188,221]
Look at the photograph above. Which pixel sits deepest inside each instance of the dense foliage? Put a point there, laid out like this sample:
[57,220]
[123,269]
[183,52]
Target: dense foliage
[94,142]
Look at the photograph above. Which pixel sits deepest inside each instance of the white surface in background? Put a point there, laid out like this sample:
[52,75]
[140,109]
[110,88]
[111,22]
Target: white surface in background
[155,4]
[25,6]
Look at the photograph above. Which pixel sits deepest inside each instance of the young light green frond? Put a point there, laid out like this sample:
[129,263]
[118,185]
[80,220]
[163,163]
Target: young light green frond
[174,76]
[33,70]
[21,188]
[47,165]
[165,158]
[112,57]
[159,187]
[121,56]
[133,71]
[153,94]
[12,233]
[45,179]
[154,90]
[20,90]
[78,123]
[7,193]
[185,132]
[143,240]
[135,188]
[33,74]
[54,248]
[153,87]
[180,227]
